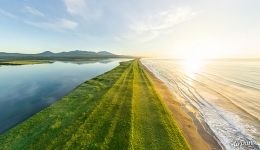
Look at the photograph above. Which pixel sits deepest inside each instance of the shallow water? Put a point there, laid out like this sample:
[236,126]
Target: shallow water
[27,89]
[224,93]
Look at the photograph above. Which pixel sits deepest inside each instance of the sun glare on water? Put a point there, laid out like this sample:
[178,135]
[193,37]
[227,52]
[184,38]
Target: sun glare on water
[192,65]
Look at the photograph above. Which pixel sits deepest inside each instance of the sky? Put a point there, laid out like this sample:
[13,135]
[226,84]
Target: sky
[151,28]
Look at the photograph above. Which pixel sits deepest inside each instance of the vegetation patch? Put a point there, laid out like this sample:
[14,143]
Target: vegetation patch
[24,62]
[120,109]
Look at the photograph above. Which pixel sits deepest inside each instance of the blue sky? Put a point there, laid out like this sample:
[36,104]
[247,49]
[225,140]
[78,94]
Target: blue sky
[166,28]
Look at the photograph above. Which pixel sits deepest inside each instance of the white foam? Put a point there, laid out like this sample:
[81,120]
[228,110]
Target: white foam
[229,128]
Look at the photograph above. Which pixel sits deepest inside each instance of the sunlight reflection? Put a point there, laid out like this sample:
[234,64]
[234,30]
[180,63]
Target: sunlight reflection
[191,66]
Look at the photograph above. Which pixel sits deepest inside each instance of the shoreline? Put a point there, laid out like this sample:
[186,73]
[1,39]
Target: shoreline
[23,62]
[197,133]
[120,109]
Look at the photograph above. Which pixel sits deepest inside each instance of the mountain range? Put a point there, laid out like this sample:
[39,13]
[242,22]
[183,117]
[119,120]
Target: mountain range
[76,54]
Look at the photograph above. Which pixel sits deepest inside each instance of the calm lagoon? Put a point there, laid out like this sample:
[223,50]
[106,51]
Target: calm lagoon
[27,89]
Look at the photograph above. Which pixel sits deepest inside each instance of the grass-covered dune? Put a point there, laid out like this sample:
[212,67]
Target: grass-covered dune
[120,109]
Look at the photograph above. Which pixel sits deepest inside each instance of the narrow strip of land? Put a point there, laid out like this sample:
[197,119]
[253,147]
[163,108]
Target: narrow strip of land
[120,109]
[197,140]
[152,125]
[24,62]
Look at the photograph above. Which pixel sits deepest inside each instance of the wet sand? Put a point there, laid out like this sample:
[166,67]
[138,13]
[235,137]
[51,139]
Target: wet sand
[222,95]
[198,135]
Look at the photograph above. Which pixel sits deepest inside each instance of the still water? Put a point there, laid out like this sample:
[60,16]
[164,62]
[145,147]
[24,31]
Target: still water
[27,89]
[223,93]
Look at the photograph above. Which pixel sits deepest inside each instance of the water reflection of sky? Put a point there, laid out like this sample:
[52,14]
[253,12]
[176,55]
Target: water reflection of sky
[25,90]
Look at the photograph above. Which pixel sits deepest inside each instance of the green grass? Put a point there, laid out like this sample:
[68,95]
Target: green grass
[117,110]
[24,62]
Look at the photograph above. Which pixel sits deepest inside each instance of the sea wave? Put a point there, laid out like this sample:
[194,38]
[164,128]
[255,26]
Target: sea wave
[227,103]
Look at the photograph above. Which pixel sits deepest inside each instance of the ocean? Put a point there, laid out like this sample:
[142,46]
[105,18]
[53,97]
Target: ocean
[223,93]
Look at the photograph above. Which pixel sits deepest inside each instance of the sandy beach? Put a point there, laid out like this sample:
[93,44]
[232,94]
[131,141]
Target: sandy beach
[221,98]
[197,134]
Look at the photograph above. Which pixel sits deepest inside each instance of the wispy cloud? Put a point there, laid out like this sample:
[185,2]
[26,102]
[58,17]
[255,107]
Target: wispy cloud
[49,23]
[8,14]
[76,7]
[164,20]
[56,25]
[149,27]
[82,9]
[33,11]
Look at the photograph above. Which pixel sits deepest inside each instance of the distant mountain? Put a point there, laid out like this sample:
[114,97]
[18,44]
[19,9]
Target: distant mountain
[46,53]
[76,54]
[104,53]
[3,54]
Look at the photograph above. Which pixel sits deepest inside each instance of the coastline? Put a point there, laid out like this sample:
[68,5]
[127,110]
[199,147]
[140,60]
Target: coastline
[198,134]
[120,109]
[24,62]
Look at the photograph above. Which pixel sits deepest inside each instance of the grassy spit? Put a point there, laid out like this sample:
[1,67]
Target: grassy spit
[24,62]
[120,109]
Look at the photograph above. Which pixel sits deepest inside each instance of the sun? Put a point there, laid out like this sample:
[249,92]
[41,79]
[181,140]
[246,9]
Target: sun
[192,65]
